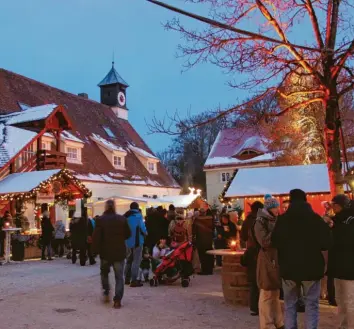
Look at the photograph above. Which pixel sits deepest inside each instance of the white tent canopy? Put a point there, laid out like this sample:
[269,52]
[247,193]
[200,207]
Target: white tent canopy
[123,202]
[279,180]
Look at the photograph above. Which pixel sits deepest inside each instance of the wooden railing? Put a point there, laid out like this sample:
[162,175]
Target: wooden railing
[47,160]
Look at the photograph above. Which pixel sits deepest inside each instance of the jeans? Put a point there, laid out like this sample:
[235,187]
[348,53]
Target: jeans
[345,300]
[47,246]
[133,265]
[311,290]
[118,268]
[270,314]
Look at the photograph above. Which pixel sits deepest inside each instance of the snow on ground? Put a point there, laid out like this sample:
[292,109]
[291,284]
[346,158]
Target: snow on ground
[59,295]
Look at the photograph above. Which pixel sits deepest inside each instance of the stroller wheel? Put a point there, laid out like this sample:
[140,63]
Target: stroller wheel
[153,283]
[185,282]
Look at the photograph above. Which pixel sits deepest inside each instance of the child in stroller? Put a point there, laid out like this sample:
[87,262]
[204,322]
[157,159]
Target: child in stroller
[174,265]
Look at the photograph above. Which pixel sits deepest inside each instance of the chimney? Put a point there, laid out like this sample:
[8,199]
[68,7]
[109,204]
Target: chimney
[83,95]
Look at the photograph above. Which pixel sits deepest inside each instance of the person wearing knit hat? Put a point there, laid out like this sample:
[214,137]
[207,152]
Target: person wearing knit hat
[270,202]
[268,276]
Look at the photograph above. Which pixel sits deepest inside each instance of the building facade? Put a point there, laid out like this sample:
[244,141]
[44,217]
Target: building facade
[233,149]
[101,148]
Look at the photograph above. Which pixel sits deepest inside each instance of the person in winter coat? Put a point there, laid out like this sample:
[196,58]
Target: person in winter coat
[59,236]
[178,231]
[78,233]
[203,229]
[268,278]
[247,235]
[47,236]
[135,243]
[109,242]
[341,259]
[300,237]
[171,214]
[225,232]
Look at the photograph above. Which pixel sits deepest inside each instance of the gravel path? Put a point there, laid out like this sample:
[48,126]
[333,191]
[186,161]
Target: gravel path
[58,295]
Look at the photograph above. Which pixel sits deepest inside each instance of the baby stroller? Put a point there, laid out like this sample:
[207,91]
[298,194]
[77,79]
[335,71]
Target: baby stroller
[176,264]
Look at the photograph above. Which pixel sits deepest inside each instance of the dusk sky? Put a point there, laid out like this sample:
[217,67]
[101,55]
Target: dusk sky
[69,45]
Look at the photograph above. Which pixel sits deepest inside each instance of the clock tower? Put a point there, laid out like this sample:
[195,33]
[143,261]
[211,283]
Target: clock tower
[113,93]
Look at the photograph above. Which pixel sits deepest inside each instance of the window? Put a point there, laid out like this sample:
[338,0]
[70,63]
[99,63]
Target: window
[117,161]
[151,166]
[225,177]
[72,153]
[109,132]
[46,146]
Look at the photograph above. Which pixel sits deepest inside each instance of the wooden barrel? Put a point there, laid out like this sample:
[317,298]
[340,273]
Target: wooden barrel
[234,280]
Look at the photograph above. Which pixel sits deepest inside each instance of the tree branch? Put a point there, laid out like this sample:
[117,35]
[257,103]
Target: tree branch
[315,25]
[223,26]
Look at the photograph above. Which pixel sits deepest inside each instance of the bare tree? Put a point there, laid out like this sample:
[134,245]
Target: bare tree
[267,56]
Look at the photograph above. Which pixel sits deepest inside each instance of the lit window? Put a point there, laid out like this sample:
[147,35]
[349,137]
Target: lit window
[72,153]
[109,132]
[225,177]
[151,166]
[117,161]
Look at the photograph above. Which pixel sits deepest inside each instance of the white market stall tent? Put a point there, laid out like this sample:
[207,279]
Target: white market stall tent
[123,203]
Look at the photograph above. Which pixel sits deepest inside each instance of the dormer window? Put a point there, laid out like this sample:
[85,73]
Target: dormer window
[118,161]
[72,154]
[114,153]
[152,167]
[146,158]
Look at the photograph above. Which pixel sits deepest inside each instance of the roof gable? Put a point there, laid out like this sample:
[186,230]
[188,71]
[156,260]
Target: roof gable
[87,117]
[230,143]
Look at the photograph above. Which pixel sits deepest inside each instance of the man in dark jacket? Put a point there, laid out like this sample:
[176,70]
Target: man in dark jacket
[247,235]
[203,229]
[341,259]
[47,236]
[300,236]
[109,242]
[78,234]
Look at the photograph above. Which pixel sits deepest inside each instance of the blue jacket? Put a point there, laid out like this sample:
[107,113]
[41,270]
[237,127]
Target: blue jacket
[135,219]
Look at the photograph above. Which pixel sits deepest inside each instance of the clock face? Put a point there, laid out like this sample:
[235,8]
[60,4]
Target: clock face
[121,99]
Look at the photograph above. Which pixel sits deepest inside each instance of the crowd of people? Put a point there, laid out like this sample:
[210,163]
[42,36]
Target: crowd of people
[290,250]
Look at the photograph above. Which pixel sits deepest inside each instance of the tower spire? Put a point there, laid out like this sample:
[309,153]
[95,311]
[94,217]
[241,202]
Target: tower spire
[113,59]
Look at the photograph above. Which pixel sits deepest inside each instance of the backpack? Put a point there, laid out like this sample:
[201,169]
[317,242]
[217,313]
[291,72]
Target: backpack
[179,232]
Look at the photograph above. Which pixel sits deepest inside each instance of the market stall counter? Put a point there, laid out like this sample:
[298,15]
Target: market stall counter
[234,277]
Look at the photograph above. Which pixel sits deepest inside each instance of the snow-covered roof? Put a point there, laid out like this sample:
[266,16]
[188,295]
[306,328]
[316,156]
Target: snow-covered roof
[107,144]
[12,140]
[31,114]
[230,143]
[25,182]
[70,137]
[142,152]
[112,178]
[218,161]
[279,180]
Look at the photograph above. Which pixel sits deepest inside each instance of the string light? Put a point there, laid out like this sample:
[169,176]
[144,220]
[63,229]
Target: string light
[64,174]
